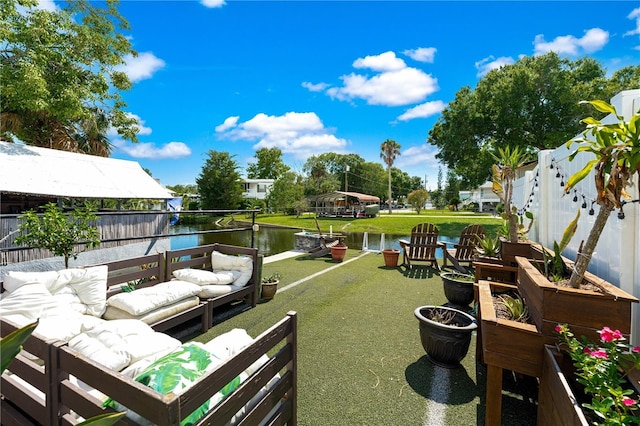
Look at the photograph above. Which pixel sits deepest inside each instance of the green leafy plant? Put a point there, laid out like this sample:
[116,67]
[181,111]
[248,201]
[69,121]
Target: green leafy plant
[508,161]
[555,268]
[272,278]
[602,369]
[488,246]
[616,148]
[57,232]
[515,306]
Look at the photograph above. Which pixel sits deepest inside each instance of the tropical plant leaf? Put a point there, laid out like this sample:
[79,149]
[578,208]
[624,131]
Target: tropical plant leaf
[569,232]
[578,176]
[601,106]
[11,344]
[107,419]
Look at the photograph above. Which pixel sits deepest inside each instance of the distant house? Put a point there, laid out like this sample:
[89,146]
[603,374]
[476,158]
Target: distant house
[483,195]
[257,188]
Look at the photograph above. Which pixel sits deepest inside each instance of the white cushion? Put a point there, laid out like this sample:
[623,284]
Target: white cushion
[90,284]
[26,303]
[118,343]
[202,277]
[211,291]
[146,299]
[15,279]
[225,262]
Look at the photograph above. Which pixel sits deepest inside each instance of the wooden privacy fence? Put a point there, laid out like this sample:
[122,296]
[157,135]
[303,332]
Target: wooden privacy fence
[116,229]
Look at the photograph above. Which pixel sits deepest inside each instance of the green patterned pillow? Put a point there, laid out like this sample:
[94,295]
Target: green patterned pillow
[177,371]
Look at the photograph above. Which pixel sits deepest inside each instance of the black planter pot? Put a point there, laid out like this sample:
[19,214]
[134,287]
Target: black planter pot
[445,344]
[458,291]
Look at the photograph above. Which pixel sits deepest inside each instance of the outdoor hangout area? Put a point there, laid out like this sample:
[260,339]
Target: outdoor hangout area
[520,323]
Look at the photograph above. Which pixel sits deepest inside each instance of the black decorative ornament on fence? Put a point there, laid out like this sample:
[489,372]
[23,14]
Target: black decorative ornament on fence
[585,198]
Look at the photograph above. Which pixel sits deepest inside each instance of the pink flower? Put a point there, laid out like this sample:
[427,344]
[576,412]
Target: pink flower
[558,328]
[636,349]
[608,335]
[628,402]
[599,354]
[587,350]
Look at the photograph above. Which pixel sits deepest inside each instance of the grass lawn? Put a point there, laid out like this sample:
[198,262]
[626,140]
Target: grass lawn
[360,357]
[400,222]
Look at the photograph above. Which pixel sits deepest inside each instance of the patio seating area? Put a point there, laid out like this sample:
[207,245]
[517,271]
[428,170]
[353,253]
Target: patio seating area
[360,360]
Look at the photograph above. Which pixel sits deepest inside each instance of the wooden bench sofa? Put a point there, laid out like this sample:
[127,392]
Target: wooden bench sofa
[201,258]
[41,386]
[155,274]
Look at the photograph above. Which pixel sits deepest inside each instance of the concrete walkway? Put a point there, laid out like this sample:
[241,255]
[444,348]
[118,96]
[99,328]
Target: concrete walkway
[283,255]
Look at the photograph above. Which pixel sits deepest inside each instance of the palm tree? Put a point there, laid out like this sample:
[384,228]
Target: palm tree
[390,150]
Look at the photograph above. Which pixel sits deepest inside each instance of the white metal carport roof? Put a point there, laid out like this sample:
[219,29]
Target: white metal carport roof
[27,169]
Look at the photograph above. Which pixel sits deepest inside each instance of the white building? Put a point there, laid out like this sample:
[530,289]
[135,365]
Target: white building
[483,195]
[257,188]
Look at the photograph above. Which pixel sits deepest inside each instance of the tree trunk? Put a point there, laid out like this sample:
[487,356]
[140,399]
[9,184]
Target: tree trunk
[389,189]
[583,258]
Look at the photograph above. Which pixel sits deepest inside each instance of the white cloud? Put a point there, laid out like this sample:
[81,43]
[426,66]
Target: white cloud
[228,124]
[635,14]
[300,134]
[424,110]
[387,61]
[490,63]
[318,87]
[142,66]
[213,3]
[423,155]
[149,150]
[393,88]
[592,41]
[142,129]
[421,54]
[49,5]
[394,84]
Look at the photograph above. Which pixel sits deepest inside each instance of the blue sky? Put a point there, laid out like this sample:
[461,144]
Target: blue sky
[313,77]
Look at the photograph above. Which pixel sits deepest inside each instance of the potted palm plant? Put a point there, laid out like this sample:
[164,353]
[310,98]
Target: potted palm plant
[508,160]
[616,147]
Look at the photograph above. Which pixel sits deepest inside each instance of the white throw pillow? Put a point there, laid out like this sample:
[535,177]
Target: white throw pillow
[226,262]
[90,284]
[202,277]
[16,279]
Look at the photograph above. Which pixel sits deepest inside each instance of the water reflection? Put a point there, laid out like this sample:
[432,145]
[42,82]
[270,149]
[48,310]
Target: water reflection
[271,241]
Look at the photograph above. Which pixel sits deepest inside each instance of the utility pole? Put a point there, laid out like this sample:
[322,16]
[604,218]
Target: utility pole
[346,181]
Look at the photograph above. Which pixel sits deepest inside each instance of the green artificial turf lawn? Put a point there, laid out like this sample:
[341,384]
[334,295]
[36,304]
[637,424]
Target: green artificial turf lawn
[360,360]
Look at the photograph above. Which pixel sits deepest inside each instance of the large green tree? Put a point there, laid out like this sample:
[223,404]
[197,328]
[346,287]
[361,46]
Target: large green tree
[532,103]
[58,75]
[269,164]
[287,194]
[389,151]
[219,182]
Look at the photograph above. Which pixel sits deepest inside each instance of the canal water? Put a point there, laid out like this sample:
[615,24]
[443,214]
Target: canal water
[270,241]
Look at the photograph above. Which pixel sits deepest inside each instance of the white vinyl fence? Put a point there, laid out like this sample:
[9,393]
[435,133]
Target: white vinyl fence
[541,191]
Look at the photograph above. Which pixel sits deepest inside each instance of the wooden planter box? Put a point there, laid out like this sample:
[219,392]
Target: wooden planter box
[509,344]
[557,404]
[584,311]
[509,251]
